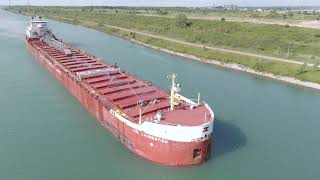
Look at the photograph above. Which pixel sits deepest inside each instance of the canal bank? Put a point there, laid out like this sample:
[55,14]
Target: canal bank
[285,79]
[290,72]
[232,66]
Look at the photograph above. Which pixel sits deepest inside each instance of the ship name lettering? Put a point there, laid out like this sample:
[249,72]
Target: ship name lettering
[164,141]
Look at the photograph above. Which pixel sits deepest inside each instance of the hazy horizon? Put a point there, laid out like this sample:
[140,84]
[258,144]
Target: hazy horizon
[164,3]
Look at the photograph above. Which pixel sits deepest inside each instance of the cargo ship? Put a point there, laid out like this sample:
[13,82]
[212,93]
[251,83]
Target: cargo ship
[159,125]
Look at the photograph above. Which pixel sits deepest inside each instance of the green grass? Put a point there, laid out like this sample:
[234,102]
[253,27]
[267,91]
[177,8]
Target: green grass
[266,38]
[266,15]
[264,66]
[273,40]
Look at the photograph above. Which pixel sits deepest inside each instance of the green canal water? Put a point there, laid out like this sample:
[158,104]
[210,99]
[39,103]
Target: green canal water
[263,129]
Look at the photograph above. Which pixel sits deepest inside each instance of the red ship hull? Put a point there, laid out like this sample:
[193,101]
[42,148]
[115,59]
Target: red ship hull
[162,151]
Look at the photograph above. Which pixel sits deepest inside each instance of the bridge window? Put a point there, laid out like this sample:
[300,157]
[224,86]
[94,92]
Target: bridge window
[35,34]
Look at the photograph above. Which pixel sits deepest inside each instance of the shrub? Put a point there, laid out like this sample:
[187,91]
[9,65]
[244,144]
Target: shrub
[314,13]
[284,16]
[162,11]
[260,65]
[182,21]
[133,34]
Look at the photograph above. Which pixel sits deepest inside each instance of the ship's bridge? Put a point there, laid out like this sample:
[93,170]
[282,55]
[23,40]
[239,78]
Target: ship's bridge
[36,28]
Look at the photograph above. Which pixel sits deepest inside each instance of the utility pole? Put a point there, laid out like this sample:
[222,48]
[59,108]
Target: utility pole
[260,58]
[194,36]
[289,49]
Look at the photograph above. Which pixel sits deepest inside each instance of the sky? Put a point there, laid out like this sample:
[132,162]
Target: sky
[196,3]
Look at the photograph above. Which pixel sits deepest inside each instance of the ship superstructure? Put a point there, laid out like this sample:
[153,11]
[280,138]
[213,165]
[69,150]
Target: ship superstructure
[161,126]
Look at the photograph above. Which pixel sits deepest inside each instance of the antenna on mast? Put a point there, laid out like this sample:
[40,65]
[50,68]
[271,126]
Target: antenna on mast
[9,3]
[28,3]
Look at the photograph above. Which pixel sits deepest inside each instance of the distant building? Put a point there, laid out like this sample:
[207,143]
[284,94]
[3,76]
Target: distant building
[229,7]
[217,8]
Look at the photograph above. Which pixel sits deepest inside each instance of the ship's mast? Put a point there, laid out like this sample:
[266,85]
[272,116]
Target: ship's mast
[174,89]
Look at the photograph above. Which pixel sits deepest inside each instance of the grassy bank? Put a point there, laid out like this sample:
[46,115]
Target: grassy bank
[288,16]
[97,20]
[280,41]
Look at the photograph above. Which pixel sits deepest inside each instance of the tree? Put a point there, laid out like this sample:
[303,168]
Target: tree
[133,34]
[223,19]
[182,21]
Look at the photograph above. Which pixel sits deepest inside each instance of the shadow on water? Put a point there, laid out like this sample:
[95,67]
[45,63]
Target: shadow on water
[227,138]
